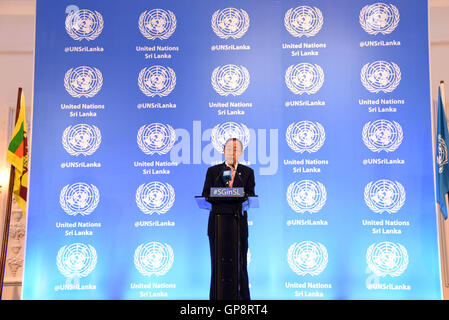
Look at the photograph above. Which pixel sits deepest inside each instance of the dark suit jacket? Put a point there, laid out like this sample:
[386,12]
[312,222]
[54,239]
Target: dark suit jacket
[244,177]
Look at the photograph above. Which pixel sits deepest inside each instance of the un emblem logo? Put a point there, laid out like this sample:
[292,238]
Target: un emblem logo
[153,258]
[307,257]
[230,80]
[379,18]
[303,21]
[81,139]
[222,132]
[156,138]
[83,82]
[84,24]
[380,76]
[230,23]
[442,154]
[306,196]
[382,135]
[79,198]
[304,78]
[305,136]
[155,197]
[384,196]
[76,261]
[157,81]
[387,258]
[157,24]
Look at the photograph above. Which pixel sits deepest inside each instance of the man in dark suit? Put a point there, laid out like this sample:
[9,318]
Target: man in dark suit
[241,176]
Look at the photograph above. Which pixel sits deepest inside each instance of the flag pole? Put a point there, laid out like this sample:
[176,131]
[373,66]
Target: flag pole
[444,245]
[442,222]
[7,219]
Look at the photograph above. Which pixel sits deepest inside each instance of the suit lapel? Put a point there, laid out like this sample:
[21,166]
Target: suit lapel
[238,177]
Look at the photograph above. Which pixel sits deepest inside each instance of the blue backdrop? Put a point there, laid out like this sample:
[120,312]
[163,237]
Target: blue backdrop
[132,102]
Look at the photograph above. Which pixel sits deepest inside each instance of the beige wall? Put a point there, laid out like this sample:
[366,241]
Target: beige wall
[16,70]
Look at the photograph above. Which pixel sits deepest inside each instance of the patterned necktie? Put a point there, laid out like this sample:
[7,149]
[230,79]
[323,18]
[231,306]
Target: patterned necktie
[232,176]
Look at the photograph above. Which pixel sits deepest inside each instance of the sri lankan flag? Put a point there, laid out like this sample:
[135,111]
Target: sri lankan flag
[18,157]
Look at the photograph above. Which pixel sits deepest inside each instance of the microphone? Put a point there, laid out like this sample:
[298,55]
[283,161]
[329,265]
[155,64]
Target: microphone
[227,177]
[220,174]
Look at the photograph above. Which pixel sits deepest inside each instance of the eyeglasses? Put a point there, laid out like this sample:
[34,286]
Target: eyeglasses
[231,149]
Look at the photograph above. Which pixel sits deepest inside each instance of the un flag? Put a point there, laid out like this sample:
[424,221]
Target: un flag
[441,167]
